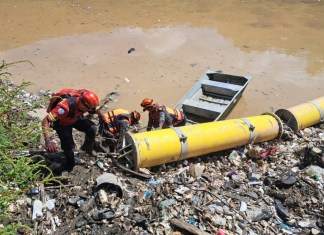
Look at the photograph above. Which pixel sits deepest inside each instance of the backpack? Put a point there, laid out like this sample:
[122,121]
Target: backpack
[68,93]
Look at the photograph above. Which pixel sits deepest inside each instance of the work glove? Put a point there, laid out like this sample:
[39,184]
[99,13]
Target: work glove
[50,145]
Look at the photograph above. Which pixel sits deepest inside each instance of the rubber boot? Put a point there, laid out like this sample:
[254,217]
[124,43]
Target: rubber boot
[88,148]
[70,161]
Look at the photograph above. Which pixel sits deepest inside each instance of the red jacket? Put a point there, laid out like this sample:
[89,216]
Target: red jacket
[64,113]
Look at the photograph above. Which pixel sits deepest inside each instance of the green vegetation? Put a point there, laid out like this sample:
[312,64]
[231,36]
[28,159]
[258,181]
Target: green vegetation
[18,132]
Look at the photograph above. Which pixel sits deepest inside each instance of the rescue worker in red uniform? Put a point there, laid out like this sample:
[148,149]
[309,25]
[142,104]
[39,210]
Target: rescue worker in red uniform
[115,122]
[161,117]
[66,114]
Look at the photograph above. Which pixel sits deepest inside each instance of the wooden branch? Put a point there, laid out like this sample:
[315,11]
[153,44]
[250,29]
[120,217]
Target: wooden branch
[188,227]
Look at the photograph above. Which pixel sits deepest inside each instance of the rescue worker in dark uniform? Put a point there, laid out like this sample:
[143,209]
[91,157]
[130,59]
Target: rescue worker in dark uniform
[66,114]
[161,117]
[115,122]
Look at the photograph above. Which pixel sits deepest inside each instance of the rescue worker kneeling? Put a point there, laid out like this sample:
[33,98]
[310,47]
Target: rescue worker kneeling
[115,123]
[161,117]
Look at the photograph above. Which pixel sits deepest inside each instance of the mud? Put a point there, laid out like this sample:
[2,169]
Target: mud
[85,44]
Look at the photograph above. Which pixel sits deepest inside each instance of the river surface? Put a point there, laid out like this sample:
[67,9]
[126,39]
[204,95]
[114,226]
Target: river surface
[84,44]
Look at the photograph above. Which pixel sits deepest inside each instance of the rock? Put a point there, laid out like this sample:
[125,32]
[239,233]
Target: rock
[50,204]
[243,206]
[227,210]
[307,223]
[291,222]
[315,231]
[220,220]
[103,214]
[288,179]
[281,210]
[73,200]
[257,214]
[253,195]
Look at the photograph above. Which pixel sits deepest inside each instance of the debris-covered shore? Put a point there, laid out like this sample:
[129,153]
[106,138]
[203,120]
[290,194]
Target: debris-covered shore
[274,187]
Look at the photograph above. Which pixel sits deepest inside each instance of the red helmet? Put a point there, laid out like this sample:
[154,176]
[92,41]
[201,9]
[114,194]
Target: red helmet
[147,102]
[90,100]
[136,116]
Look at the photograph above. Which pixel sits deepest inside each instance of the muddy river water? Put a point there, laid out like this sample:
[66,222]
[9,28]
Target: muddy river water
[84,44]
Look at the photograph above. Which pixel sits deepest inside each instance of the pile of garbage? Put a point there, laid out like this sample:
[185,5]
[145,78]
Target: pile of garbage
[274,187]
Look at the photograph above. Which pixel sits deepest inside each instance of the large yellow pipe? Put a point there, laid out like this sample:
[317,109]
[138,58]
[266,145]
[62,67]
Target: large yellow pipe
[173,144]
[303,115]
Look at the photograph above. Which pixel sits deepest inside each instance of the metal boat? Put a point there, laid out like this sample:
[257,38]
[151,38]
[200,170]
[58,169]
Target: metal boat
[212,97]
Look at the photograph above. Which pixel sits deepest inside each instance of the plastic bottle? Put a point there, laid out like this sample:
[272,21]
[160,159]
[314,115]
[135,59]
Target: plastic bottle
[87,206]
